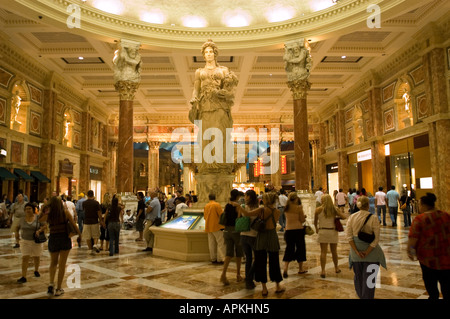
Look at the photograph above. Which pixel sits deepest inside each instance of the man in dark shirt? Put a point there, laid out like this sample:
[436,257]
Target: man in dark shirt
[92,221]
[140,217]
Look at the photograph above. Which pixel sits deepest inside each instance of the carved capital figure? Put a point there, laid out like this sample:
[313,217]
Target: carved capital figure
[297,60]
[127,62]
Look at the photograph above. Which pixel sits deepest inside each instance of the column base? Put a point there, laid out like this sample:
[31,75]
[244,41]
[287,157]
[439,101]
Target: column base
[308,203]
[220,185]
[129,200]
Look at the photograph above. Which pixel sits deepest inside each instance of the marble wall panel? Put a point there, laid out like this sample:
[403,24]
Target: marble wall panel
[35,123]
[417,75]
[388,92]
[422,107]
[16,152]
[35,94]
[5,77]
[33,155]
[2,111]
[389,120]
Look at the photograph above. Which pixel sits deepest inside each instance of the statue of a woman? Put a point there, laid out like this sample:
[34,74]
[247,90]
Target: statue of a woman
[212,99]
[16,101]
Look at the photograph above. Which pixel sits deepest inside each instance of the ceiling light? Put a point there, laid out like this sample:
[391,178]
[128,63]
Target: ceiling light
[80,58]
[279,13]
[318,5]
[154,16]
[236,18]
[110,6]
[344,57]
[194,22]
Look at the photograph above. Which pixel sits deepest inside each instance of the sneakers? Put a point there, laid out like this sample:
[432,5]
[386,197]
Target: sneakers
[37,274]
[148,249]
[50,291]
[16,246]
[22,280]
[59,292]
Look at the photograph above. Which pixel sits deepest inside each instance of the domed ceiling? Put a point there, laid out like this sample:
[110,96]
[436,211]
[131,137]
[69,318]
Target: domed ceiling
[211,13]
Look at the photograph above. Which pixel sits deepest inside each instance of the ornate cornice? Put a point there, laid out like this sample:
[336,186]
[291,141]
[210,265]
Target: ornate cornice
[335,18]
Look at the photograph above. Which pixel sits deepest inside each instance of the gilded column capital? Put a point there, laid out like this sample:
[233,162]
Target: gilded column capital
[126,90]
[153,145]
[299,88]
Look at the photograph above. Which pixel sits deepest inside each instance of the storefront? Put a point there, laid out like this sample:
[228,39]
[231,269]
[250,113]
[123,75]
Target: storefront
[409,165]
[65,183]
[332,178]
[95,176]
[360,171]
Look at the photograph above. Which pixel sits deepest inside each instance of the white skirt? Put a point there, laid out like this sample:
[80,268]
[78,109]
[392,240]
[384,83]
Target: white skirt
[30,248]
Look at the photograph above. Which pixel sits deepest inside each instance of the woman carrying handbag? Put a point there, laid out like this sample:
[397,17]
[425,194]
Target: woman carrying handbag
[30,228]
[267,243]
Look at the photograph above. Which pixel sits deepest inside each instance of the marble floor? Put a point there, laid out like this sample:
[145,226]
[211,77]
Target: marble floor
[134,274]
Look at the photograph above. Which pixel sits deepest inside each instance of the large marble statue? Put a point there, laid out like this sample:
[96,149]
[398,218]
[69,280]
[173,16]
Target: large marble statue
[298,61]
[212,99]
[407,100]
[127,62]
[15,103]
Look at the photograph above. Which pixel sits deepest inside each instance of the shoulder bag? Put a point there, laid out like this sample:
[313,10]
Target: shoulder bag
[368,238]
[242,224]
[41,237]
[338,225]
[308,229]
[71,230]
[259,223]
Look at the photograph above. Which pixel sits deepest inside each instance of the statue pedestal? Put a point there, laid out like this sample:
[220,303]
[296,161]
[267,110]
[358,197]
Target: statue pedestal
[16,125]
[407,121]
[308,204]
[220,185]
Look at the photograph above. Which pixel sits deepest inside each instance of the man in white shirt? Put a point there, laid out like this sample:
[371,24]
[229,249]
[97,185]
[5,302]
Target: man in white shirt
[341,200]
[319,195]
[71,207]
[380,202]
[282,201]
[180,203]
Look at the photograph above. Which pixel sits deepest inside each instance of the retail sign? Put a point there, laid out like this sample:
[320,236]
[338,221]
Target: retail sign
[364,156]
[283,164]
[66,167]
[256,169]
[95,173]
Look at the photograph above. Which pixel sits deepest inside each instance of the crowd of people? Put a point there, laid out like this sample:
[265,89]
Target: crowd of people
[277,211]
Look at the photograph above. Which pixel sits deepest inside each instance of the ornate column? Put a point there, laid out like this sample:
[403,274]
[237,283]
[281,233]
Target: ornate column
[322,169]
[343,166]
[127,62]
[153,164]
[275,159]
[434,62]
[377,147]
[315,162]
[297,64]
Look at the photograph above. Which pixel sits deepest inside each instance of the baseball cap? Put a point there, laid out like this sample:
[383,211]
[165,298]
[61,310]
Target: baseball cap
[81,194]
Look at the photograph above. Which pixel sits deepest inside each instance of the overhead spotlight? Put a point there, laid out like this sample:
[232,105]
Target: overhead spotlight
[344,57]
[81,58]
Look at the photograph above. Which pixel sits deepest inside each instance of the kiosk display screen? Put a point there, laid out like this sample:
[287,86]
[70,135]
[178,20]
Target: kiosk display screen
[183,222]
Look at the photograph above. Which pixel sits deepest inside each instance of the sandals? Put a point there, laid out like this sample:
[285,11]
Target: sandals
[302,272]
[338,271]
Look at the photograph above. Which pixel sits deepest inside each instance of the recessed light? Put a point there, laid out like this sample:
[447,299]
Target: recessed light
[80,58]
[344,57]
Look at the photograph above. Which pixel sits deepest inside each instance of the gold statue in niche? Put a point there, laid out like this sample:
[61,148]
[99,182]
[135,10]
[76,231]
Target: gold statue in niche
[15,104]
[407,98]
[67,129]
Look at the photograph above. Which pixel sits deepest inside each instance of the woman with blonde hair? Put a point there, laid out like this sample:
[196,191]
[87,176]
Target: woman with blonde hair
[266,243]
[327,234]
[295,234]
[59,242]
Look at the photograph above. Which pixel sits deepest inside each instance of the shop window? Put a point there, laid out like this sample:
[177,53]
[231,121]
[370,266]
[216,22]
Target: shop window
[402,171]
